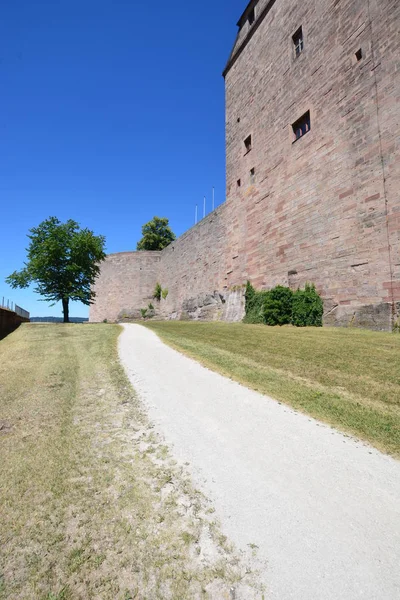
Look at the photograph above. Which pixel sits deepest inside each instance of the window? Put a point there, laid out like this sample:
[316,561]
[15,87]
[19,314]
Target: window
[301,126]
[298,42]
[359,55]
[251,17]
[247,144]
[238,183]
[252,176]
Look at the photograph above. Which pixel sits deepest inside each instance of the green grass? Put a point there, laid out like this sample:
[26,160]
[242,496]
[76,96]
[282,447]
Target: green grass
[348,378]
[91,502]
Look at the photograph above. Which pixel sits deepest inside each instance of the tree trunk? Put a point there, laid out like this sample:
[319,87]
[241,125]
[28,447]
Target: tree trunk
[65,303]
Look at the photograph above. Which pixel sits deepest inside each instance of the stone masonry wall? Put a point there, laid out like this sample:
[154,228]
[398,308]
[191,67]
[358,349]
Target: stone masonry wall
[193,270]
[323,208]
[125,285]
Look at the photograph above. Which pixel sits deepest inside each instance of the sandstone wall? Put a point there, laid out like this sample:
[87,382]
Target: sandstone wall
[324,208]
[125,285]
[193,270]
[320,209]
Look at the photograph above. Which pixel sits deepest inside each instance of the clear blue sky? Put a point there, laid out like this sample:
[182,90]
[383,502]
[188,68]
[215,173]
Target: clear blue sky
[111,112]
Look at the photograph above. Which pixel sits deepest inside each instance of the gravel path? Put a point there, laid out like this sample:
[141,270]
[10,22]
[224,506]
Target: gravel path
[323,508]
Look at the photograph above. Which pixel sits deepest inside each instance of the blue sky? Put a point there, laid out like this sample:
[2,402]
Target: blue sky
[111,112]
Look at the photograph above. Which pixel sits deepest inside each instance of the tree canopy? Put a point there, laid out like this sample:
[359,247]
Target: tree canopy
[156,235]
[63,260]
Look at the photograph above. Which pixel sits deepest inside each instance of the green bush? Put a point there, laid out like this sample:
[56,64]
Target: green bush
[308,308]
[143,312]
[281,306]
[157,292]
[278,306]
[164,293]
[151,307]
[254,306]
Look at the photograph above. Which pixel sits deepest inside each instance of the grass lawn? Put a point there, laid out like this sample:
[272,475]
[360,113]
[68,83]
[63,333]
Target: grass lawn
[346,377]
[92,506]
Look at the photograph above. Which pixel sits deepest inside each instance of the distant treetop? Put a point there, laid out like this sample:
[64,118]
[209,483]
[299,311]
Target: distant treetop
[156,234]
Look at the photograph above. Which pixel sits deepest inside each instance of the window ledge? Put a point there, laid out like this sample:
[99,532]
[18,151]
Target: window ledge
[301,137]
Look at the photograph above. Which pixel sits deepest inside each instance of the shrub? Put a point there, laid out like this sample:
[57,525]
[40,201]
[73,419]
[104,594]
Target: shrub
[164,293]
[143,312]
[151,307]
[254,306]
[307,307]
[157,292]
[278,306]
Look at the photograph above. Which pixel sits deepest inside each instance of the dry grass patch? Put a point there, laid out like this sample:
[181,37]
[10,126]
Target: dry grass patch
[92,505]
[346,377]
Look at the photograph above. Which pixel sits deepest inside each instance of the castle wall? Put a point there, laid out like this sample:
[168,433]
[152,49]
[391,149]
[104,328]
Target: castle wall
[324,208]
[320,208]
[193,270]
[125,285]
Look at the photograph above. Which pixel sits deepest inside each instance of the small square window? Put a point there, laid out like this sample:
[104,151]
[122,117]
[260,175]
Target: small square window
[298,42]
[247,144]
[301,126]
[251,17]
[252,176]
[359,55]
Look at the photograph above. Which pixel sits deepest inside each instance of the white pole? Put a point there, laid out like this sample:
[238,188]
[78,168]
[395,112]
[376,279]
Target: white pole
[213,199]
[204,207]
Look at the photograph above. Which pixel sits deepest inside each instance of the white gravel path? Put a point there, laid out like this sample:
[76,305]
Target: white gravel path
[323,508]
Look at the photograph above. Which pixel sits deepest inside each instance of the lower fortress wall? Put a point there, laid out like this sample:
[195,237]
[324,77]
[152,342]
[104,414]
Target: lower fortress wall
[125,285]
[205,274]
[192,269]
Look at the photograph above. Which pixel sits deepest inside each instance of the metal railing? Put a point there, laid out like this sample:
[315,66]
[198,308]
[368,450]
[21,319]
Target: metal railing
[9,305]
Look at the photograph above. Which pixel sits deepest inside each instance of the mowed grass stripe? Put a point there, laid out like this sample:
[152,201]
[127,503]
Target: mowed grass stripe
[347,378]
[90,498]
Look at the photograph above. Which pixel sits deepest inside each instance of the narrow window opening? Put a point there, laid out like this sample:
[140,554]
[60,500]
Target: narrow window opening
[247,143]
[252,176]
[359,55]
[251,17]
[239,183]
[238,119]
[298,42]
[301,126]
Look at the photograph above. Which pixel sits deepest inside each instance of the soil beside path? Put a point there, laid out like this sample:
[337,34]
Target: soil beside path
[322,508]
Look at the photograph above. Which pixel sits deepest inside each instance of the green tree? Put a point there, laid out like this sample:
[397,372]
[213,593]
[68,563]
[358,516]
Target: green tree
[63,260]
[156,235]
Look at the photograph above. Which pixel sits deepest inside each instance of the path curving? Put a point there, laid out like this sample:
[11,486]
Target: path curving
[323,508]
